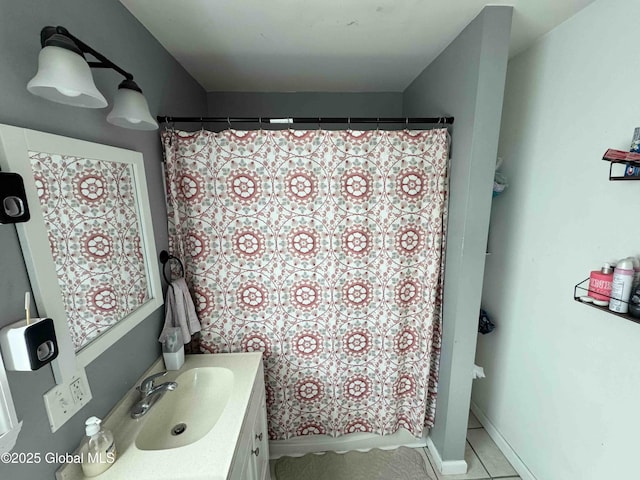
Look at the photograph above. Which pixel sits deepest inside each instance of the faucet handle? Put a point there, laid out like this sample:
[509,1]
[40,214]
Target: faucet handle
[147,384]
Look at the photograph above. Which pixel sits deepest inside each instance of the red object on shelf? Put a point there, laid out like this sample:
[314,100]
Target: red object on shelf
[600,285]
[613,155]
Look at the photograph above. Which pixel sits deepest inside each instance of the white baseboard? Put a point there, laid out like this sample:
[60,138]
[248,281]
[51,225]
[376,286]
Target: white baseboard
[446,467]
[502,444]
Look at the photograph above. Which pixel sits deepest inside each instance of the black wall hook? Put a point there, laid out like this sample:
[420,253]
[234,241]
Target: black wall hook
[165,257]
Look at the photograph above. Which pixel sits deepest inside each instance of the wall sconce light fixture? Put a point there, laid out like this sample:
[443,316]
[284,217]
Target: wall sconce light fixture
[64,76]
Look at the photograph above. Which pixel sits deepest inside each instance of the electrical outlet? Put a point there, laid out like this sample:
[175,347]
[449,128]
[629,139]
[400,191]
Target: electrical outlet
[77,390]
[66,399]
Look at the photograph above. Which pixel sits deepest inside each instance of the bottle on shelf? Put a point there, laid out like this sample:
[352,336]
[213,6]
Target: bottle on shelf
[621,286]
[636,269]
[600,285]
[634,301]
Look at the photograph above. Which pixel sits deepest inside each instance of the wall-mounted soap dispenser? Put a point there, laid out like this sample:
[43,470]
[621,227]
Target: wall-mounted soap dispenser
[13,199]
[29,345]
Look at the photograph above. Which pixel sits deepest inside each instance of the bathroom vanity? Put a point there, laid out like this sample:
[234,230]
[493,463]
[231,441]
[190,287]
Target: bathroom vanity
[213,426]
[251,459]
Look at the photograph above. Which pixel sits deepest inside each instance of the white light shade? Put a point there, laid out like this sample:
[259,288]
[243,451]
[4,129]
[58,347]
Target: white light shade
[65,77]
[130,110]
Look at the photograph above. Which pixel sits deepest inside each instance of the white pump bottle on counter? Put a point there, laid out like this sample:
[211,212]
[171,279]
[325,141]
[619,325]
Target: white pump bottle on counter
[621,286]
[98,449]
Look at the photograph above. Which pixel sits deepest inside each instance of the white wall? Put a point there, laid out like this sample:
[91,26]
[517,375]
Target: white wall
[563,379]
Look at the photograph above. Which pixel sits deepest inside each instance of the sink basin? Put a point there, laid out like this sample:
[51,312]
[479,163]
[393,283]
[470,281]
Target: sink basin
[188,413]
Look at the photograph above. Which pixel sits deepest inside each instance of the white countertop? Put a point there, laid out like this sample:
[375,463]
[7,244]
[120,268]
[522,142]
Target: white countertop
[206,459]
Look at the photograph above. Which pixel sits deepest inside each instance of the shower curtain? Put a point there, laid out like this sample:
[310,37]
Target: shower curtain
[323,250]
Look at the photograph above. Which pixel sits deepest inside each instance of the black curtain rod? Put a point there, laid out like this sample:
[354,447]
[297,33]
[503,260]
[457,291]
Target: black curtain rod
[314,120]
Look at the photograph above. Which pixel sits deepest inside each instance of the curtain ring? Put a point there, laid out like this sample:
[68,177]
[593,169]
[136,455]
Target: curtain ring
[201,125]
[348,124]
[406,123]
[168,128]
[229,123]
[378,124]
[319,120]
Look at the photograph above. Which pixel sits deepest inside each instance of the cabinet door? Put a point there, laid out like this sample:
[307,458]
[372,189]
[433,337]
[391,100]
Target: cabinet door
[241,469]
[260,452]
[243,465]
[251,459]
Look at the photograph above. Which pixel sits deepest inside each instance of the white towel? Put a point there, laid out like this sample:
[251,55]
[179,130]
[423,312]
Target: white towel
[180,311]
[478,372]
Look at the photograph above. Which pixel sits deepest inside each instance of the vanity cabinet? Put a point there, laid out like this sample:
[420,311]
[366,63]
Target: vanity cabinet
[251,458]
[220,399]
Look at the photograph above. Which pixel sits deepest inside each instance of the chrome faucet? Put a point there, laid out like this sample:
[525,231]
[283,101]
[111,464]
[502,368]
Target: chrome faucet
[150,393]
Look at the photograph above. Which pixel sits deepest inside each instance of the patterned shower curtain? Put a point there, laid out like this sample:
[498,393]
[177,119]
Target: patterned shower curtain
[323,250]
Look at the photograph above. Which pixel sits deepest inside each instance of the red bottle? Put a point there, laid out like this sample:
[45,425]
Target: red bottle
[600,285]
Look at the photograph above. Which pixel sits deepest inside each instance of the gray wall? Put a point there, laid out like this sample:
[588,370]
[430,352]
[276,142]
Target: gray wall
[303,104]
[466,81]
[109,28]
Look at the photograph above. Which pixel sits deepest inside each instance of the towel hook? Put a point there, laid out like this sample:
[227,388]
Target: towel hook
[165,257]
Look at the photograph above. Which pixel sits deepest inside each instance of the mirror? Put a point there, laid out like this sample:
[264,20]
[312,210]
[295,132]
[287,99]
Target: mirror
[89,245]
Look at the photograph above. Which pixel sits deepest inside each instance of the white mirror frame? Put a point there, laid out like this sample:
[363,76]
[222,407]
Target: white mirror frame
[9,425]
[15,144]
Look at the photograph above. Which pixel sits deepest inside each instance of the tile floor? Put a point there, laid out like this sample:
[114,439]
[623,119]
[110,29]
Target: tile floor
[484,458]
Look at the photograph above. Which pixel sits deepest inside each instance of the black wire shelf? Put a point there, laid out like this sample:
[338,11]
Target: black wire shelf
[616,157]
[581,290]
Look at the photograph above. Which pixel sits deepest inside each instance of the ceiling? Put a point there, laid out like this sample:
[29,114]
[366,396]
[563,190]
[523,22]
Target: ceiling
[324,46]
